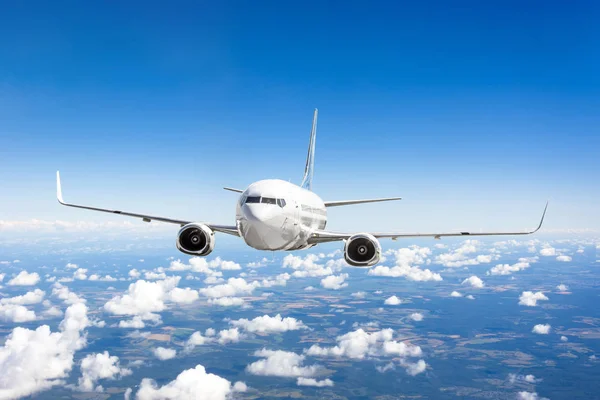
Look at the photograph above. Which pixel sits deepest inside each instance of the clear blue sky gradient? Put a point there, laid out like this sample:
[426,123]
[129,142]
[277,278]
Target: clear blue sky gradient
[475,112]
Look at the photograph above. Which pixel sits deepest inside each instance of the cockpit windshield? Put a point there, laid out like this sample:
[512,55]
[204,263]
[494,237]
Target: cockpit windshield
[265,200]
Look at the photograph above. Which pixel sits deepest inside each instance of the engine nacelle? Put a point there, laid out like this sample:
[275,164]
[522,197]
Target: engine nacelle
[196,240]
[362,250]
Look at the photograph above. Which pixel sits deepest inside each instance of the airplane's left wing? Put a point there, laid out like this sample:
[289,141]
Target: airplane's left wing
[231,230]
[324,236]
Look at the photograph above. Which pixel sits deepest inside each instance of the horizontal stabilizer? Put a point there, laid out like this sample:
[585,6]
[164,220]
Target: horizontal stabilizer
[350,202]
[233,190]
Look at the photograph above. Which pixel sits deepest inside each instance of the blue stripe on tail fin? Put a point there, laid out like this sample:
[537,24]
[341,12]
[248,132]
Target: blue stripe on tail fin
[310,158]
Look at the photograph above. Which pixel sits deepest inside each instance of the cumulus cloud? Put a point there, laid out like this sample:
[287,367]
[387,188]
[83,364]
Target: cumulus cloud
[530,299]
[106,278]
[410,273]
[563,258]
[80,274]
[201,265]
[233,287]
[529,396]
[152,276]
[163,353]
[562,287]
[406,259]
[301,381]
[392,301]
[360,344]
[16,313]
[99,366]
[267,324]
[232,335]
[541,329]
[359,295]
[548,251]
[64,294]
[416,317]
[414,368]
[35,360]
[334,282]
[463,255]
[25,278]
[134,323]
[281,363]
[279,280]
[514,378]
[456,294]
[134,273]
[183,296]
[474,281]
[309,267]
[143,298]
[507,269]
[196,339]
[194,383]
[227,301]
[34,297]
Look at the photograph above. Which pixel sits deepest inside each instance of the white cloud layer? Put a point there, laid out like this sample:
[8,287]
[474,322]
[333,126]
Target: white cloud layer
[35,360]
[34,297]
[530,299]
[474,281]
[193,383]
[144,298]
[541,329]
[392,301]
[334,282]
[267,324]
[359,345]
[301,381]
[281,363]
[99,366]
[163,353]
[24,278]
[406,258]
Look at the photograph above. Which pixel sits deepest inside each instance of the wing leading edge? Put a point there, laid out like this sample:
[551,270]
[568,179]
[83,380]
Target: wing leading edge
[350,202]
[324,236]
[231,230]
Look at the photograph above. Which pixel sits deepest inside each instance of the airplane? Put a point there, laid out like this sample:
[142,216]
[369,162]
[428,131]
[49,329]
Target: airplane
[274,214]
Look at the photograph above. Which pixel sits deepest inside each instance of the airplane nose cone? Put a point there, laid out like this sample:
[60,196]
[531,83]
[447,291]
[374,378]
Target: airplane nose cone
[260,226]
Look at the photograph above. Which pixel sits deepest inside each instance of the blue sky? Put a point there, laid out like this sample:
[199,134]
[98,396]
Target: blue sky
[474,113]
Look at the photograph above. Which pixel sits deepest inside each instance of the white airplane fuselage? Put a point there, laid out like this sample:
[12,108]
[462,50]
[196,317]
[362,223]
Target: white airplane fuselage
[273,214]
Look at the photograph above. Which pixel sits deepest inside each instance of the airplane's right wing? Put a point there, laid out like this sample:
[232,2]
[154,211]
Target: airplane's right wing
[324,236]
[229,229]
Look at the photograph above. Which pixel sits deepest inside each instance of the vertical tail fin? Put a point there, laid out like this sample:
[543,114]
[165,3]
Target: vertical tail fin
[310,158]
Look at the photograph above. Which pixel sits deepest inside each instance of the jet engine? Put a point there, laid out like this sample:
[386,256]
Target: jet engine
[362,250]
[196,240]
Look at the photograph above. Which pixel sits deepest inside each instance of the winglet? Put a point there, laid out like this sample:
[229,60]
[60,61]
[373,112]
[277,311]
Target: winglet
[543,215]
[59,189]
